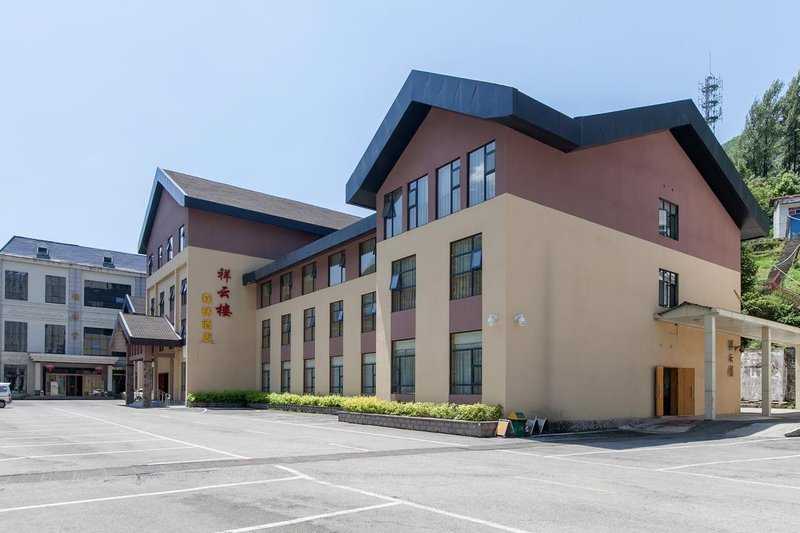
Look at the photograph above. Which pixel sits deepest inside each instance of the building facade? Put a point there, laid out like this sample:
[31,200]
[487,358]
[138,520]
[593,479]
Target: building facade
[58,309]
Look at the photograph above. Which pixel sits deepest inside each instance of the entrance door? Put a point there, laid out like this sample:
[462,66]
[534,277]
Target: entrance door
[163,382]
[674,391]
[74,385]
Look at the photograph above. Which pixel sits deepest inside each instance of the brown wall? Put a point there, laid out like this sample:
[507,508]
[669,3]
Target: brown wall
[169,218]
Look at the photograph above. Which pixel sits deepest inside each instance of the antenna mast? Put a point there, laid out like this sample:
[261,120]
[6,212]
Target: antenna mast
[710,97]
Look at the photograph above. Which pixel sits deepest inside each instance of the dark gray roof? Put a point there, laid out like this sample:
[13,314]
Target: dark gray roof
[199,193]
[509,107]
[133,304]
[363,226]
[145,329]
[72,253]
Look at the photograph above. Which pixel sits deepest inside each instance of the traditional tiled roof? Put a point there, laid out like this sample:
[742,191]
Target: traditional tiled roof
[73,254]
[145,329]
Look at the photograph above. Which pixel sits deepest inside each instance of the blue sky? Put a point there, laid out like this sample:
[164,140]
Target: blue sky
[283,97]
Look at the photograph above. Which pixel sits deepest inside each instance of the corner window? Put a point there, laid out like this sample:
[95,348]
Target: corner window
[265,333]
[481,174]
[337,374]
[418,202]
[55,289]
[403,355]
[309,277]
[181,238]
[393,214]
[266,293]
[337,319]
[16,337]
[466,370]
[286,287]
[170,248]
[336,269]
[16,285]
[448,189]
[309,370]
[368,373]
[308,325]
[466,265]
[286,376]
[667,288]
[264,377]
[403,284]
[667,219]
[368,310]
[366,251]
[286,330]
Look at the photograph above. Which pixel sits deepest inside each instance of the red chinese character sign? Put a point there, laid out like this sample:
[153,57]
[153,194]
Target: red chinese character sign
[222,309]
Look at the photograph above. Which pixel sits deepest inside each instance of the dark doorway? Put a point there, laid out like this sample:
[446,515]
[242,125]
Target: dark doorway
[163,382]
[674,391]
[74,385]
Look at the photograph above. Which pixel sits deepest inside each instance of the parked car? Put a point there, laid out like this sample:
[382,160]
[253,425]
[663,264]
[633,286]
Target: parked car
[5,394]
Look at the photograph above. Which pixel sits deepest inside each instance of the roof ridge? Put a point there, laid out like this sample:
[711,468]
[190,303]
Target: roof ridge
[48,241]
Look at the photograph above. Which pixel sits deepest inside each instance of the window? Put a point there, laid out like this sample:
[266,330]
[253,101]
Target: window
[286,330]
[184,291]
[266,294]
[181,238]
[448,189]
[286,376]
[14,375]
[337,318]
[16,337]
[171,300]
[418,202]
[368,373]
[337,374]
[667,288]
[403,367]
[264,377]
[152,306]
[667,219]
[336,269]
[466,263]
[105,295]
[161,303]
[41,251]
[366,251]
[55,289]
[481,174]
[160,256]
[97,341]
[55,338]
[108,261]
[150,264]
[286,286]
[466,354]
[309,277]
[16,285]
[183,329]
[368,309]
[403,284]
[308,376]
[308,325]
[393,214]
[170,248]
[265,333]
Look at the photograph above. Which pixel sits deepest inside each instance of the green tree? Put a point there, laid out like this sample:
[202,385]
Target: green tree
[760,142]
[749,269]
[790,104]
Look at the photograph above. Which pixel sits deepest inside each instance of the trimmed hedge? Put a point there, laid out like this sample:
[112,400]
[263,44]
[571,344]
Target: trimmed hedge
[358,404]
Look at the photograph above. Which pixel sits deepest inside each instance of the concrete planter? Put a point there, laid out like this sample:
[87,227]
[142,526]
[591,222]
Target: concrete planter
[466,428]
[217,405]
[316,409]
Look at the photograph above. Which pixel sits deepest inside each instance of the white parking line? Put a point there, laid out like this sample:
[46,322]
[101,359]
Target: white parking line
[70,436]
[76,443]
[567,485]
[349,447]
[59,429]
[144,495]
[668,447]
[571,460]
[313,517]
[91,453]
[732,461]
[256,432]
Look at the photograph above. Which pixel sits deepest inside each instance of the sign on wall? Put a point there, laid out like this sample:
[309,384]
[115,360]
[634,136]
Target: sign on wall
[222,309]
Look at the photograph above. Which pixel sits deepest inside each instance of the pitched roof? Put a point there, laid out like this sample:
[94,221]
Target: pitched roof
[509,107]
[145,329]
[60,252]
[133,304]
[199,193]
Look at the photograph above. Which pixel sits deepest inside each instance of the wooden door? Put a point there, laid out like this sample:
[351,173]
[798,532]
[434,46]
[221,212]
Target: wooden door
[685,392]
[659,391]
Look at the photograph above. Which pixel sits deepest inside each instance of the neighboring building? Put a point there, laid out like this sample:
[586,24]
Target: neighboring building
[786,217]
[58,308]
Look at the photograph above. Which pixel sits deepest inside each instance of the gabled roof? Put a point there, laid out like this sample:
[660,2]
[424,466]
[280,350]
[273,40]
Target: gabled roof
[149,330]
[206,195]
[59,252]
[509,107]
[132,303]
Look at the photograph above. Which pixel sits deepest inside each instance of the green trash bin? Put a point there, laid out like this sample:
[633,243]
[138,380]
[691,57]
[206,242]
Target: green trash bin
[518,420]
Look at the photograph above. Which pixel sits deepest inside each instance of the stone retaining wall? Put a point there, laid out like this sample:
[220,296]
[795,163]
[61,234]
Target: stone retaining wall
[316,409]
[467,428]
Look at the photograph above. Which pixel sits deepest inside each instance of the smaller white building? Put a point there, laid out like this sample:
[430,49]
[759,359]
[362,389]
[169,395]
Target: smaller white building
[58,309]
[786,217]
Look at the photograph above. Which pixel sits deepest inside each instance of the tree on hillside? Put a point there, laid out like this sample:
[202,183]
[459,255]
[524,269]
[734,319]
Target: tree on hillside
[790,104]
[760,141]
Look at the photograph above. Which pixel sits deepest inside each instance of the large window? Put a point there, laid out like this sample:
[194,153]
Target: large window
[286,376]
[667,288]
[336,269]
[97,341]
[337,374]
[14,375]
[368,310]
[181,238]
[152,306]
[403,353]
[309,368]
[105,295]
[264,377]
[16,337]
[308,324]
[55,338]
[393,214]
[366,252]
[265,333]
[418,202]
[286,286]
[309,277]
[16,285]
[466,264]
[403,284]
[266,293]
[184,291]
[170,248]
[466,356]
[337,319]
[667,219]
[161,303]
[55,289]
[286,330]
[481,174]
[448,189]
[368,373]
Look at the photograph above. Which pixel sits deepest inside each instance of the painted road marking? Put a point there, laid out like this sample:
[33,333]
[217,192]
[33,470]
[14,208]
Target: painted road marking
[732,461]
[667,447]
[313,517]
[348,447]
[92,453]
[72,436]
[76,443]
[540,480]
[256,432]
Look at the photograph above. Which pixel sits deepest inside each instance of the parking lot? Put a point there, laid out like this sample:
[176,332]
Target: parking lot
[99,466]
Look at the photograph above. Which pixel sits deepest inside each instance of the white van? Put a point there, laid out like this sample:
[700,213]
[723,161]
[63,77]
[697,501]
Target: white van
[5,394]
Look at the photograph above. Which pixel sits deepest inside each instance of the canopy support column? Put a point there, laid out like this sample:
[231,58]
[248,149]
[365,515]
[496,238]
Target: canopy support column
[766,366]
[711,365]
